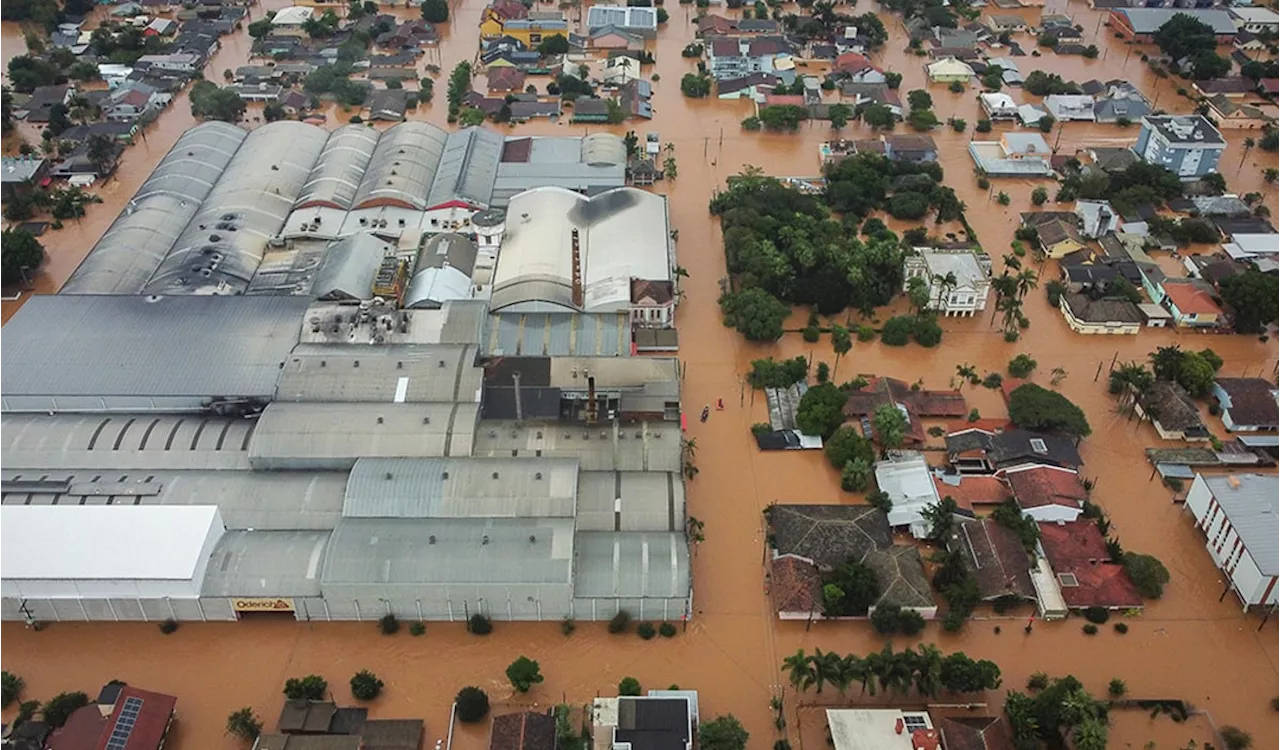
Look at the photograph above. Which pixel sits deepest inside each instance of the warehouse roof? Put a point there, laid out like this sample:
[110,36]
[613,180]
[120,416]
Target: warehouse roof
[630,501]
[467,169]
[390,373]
[403,167]
[462,488]
[259,500]
[631,565]
[1149,20]
[338,171]
[135,243]
[1250,504]
[652,446]
[454,551]
[331,436]
[590,165]
[223,244]
[442,272]
[190,345]
[557,335]
[350,267]
[622,235]
[124,441]
[97,542]
[266,563]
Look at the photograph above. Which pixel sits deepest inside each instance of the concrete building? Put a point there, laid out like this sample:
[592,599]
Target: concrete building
[959,280]
[1013,155]
[910,486]
[634,20]
[1237,515]
[1139,25]
[881,729]
[1188,145]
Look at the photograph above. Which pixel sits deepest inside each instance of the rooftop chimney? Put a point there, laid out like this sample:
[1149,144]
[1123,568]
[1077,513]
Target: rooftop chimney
[515,380]
[577,270]
[591,399]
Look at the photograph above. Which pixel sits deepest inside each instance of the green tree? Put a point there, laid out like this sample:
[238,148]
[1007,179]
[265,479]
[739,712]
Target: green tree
[782,116]
[890,425]
[695,86]
[799,670]
[365,685]
[1149,575]
[244,724]
[470,117]
[922,119]
[1020,710]
[898,329]
[20,255]
[821,410]
[860,585]
[1184,35]
[435,11]
[629,686]
[556,44]
[1235,738]
[313,687]
[1254,298]
[61,706]
[1034,408]
[10,686]
[1021,366]
[856,474]
[260,28]
[940,516]
[878,116]
[847,445]
[839,115]
[472,703]
[756,314]
[1091,734]
[524,674]
[919,99]
[459,82]
[841,343]
[723,733]
[210,102]
[1039,196]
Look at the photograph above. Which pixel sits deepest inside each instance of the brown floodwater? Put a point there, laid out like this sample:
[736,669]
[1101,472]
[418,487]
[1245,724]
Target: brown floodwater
[1187,645]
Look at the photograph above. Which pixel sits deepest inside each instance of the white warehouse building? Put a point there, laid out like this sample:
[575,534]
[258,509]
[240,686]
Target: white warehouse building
[1238,515]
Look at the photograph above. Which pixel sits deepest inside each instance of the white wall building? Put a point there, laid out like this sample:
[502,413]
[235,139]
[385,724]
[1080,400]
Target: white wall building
[880,729]
[970,272]
[906,479]
[127,562]
[1238,515]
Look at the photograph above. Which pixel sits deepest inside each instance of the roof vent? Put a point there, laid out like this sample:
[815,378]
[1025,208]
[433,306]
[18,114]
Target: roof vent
[444,475]
[431,539]
[537,475]
[532,538]
[388,476]
[495,475]
[484,539]
[355,363]
[426,420]
[380,420]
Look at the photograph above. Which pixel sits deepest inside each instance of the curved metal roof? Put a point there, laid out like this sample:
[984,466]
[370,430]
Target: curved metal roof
[336,176]
[350,267]
[403,167]
[443,271]
[602,149]
[144,232]
[468,168]
[223,244]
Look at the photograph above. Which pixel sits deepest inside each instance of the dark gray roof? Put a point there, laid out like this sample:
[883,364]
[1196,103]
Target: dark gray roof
[1193,129]
[1092,310]
[829,534]
[468,167]
[154,346]
[349,268]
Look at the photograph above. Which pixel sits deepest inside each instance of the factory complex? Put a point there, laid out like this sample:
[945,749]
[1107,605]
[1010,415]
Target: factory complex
[347,375]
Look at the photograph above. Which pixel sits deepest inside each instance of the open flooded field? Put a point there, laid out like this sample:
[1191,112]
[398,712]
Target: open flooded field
[1188,645]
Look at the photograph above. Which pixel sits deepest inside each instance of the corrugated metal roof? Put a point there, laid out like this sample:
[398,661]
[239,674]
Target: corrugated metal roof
[558,335]
[140,237]
[1251,503]
[450,551]
[223,244]
[468,167]
[462,488]
[630,501]
[337,173]
[391,373]
[124,441]
[442,271]
[266,563]
[65,345]
[631,565]
[331,436]
[403,166]
[350,267]
[653,446]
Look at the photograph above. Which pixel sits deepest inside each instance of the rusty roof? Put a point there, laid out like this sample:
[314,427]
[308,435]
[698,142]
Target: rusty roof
[796,585]
[995,556]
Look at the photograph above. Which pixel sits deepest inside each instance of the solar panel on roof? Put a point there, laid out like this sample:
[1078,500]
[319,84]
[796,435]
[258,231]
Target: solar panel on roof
[123,728]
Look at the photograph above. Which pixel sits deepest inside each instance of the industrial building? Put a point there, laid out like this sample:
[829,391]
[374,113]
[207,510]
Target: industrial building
[209,457]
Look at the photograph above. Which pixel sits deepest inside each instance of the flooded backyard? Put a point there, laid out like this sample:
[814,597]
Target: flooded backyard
[1188,645]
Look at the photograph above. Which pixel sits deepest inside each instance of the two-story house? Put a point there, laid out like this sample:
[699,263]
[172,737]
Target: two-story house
[1188,145]
[134,100]
[499,12]
[959,278]
[735,58]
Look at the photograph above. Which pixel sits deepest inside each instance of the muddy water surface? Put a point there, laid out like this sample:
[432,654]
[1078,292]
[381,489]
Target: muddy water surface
[1188,645]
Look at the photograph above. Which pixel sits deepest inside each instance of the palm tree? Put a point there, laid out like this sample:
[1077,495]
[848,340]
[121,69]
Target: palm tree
[1058,375]
[826,667]
[1249,143]
[945,283]
[852,669]
[928,670]
[967,372]
[680,272]
[670,148]
[1005,287]
[799,671]
[1012,261]
[1027,280]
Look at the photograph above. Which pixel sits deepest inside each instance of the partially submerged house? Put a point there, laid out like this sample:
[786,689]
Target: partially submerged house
[995,557]
[1172,412]
[1248,404]
[981,449]
[1086,575]
[1047,493]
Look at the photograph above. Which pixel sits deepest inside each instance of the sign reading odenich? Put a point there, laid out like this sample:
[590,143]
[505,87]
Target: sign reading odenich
[263,604]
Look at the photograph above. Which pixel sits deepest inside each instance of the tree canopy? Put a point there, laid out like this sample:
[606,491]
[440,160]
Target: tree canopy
[756,314]
[846,445]
[1253,297]
[821,410]
[890,424]
[1035,408]
[20,255]
[1184,36]
[1148,573]
[210,102]
[524,673]
[435,11]
[723,733]
[473,704]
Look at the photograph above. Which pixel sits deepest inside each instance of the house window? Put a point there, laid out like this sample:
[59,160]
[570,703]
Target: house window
[535,38]
[1039,446]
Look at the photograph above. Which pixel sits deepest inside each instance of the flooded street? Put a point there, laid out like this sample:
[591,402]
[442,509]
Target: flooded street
[1187,645]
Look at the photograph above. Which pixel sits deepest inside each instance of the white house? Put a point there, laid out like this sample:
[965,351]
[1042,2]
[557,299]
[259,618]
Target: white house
[1065,107]
[1238,515]
[1255,19]
[959,280]
[1046,494]
[292,17]
[998,105]
[880,729]
[905,477]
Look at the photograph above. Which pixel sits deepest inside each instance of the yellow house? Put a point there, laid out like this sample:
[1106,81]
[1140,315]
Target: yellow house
[499,12]
[948,70]
[532,31]
[1059,238]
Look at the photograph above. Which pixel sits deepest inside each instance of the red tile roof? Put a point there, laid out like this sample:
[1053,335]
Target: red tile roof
[506,78]
[796,585]
[974,490]
[81,732]
[1271,85]
[850,62]
[1078,548]
[1046,485]
[510,9]
[151,724]
[1191,300]
[976,733]
[774,100]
